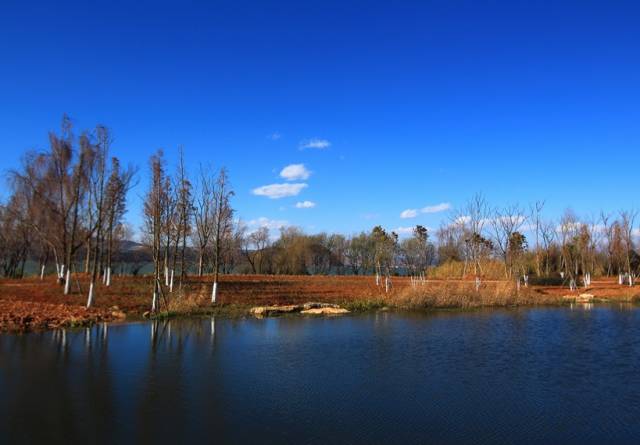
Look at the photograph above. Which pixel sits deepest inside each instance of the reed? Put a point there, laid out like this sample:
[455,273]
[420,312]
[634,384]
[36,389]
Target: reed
[455,294]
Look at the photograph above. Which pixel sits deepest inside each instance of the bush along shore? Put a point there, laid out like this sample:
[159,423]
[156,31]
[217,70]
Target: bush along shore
[32,304]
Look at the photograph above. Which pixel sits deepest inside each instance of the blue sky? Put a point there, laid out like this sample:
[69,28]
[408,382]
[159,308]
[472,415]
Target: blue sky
[420,103]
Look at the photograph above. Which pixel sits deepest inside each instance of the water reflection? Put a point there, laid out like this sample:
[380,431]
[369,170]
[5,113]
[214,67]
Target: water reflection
[581,306]
[519,376]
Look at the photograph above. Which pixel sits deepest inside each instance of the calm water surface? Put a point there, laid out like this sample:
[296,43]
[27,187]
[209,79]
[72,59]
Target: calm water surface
[518,376]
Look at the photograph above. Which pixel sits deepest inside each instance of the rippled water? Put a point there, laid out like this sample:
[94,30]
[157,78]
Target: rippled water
[517,376]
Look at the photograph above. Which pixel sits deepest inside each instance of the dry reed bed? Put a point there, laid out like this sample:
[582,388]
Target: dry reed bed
[456,294]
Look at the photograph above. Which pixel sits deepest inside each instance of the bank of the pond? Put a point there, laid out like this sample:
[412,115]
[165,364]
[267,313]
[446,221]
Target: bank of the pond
[31,304]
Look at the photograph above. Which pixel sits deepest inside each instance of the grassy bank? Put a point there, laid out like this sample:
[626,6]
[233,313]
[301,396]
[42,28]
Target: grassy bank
[31,304]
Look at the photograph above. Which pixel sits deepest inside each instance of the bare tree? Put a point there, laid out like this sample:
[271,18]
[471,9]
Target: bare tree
[547,235]
[97,188]
[255,248]
[472,221]
[506,223]
[627,221]
[180,221]
[222,223]
[154,208]
[118,184]
[203,216]
[535,212]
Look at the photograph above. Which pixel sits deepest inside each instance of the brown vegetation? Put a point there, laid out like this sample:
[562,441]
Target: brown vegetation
[463,294]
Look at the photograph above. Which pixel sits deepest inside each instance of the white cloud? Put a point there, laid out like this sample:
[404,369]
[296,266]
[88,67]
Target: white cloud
[319,144]
[436,208]
[412,213]
[461,220]
[409,213]
[277,191]
[403,230]
[406,231]
[274,136]
[271,224]
[305,205]
[294,172]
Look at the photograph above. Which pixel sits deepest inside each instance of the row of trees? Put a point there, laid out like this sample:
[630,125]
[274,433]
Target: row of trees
[67,205]
[477,237]
[570,247]
[178,215]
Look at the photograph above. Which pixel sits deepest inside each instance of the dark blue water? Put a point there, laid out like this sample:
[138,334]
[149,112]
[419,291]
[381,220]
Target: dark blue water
[517,376]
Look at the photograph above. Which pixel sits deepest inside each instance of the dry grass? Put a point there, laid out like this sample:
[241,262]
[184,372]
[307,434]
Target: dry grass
[186,303]
[491,270]
[457,294]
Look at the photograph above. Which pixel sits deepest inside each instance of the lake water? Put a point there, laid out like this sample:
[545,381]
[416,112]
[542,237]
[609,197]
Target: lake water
[557,375]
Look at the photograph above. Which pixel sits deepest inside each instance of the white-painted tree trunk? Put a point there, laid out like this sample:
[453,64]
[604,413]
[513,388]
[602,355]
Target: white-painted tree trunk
[214,292]
[67,282]
[171,281]
[61,276]
[386,284]
[377,279]
[108,282]
[620,280]
[166,276]
[42,273]
[154,302]
[90,299]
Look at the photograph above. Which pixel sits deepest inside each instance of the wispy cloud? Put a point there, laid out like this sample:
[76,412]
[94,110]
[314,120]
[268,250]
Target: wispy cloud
[271,224]
[403,230]
[412,213]
[319,144]
[277,191]
[305,205]
[295,172]
[274,136]
[443,206]
[409,213]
